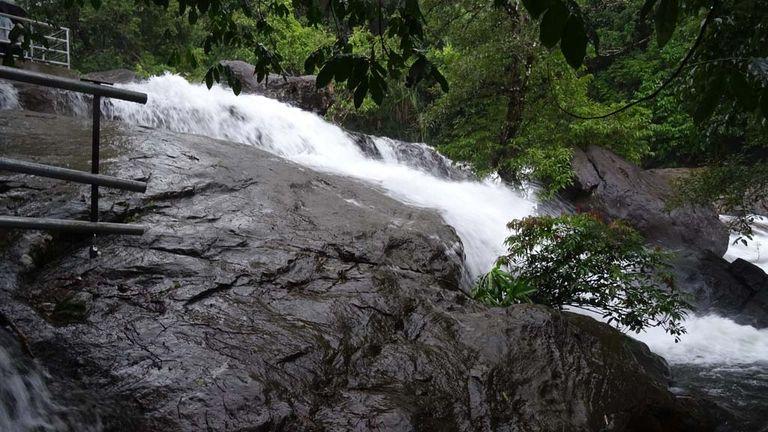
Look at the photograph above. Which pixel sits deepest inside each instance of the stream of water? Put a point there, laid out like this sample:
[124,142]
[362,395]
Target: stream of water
[719,357]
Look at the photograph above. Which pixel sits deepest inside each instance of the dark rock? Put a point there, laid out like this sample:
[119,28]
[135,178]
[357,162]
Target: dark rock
[415,155]
[43,99]
[618,189]
[738,290]
[299,91]
[114,76]
[266,296]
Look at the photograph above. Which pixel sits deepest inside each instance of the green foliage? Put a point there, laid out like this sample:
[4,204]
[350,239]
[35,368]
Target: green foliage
[236,25]
[500,288]
[747,187]
[582,262]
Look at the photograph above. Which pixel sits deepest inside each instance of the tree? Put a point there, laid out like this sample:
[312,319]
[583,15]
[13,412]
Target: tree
[582,262]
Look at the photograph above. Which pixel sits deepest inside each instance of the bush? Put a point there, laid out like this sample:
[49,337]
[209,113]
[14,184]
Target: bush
[582,262]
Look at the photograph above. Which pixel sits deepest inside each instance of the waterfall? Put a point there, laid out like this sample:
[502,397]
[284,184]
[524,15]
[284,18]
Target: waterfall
[756,250]
[25,402]
[9,96]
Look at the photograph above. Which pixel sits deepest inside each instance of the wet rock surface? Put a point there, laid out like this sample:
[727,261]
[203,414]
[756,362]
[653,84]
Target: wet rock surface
[738,290]
[415,155]
[610,185]
[299,91]
[265,296]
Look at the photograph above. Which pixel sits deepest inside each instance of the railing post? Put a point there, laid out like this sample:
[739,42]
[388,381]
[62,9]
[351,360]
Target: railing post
[95,168]
[69,60]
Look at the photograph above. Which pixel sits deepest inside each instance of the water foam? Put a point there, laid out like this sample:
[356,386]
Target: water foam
[756,249]
[9,96]
[25,402]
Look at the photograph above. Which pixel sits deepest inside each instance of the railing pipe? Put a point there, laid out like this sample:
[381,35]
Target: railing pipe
[67,174]
[70,226]
[71,84]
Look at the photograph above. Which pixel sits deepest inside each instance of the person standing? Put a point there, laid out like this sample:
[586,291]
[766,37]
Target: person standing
[8,7]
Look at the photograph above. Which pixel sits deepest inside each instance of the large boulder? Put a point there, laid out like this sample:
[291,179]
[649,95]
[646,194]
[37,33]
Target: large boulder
[608,184]
[299,91]
[265,296]
[738,290]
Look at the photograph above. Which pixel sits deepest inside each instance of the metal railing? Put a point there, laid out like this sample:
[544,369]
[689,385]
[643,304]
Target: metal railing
[58,40]
[98,90]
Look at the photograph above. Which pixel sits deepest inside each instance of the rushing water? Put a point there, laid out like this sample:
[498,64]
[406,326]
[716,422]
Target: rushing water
[26,404]
[726,360]
[9,97]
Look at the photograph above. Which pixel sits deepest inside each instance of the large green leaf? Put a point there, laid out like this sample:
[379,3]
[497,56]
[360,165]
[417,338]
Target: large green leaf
[647,7]
[666,20]
[553,23]
[574,42]
[536,7]
[741,88]
[326,74]
[709,101]
[360,93]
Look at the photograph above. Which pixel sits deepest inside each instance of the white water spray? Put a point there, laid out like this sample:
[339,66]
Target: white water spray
[25,402]
[9,96]
[756,249]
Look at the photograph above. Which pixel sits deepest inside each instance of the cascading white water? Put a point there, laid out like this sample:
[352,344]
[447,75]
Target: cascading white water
[25,402]
[9,96]
[756,249]
[477,210]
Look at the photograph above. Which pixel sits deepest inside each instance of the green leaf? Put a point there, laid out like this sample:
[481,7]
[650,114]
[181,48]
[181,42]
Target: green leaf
[360,93]
[359,72]
[536,7]
[708,103]
[236,85]
[326,75]
[743,91]
[209,78]
[343,68]
[377,91]
[574,42]
[647,7]
[440,78]
[666,20]
[553,24]
[416,72]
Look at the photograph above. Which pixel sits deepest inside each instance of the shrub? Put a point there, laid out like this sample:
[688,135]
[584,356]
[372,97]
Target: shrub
[582,262]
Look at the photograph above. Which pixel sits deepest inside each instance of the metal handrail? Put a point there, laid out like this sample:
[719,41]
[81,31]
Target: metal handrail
[94,178]
[70,175]
[47,80]
[39,52]
[30,21]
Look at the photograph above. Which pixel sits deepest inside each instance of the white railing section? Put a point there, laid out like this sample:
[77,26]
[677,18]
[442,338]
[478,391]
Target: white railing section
[58,40]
